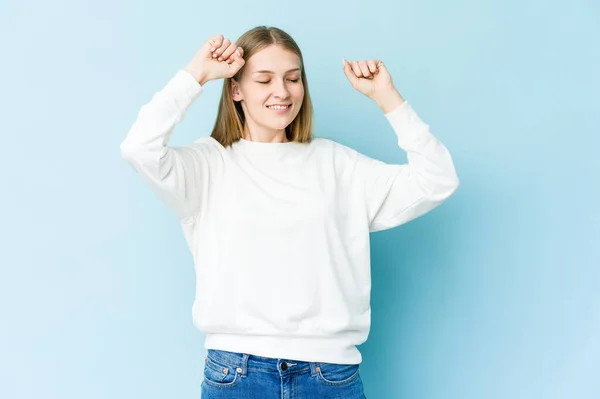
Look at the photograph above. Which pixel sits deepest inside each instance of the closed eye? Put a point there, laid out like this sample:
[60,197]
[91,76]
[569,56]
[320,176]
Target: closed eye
[291,80]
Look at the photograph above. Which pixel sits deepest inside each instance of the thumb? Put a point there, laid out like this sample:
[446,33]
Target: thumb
[381,65]
[349,72]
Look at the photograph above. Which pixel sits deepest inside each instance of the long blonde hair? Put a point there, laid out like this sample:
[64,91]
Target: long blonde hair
[229,125]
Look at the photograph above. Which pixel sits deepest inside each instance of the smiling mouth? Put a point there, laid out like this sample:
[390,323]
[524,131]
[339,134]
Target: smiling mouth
[279,106]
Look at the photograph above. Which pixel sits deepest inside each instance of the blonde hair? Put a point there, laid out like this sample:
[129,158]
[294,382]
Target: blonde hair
[229,125]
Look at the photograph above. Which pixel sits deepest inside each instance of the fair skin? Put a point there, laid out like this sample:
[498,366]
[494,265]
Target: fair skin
[272,76]
[256,91]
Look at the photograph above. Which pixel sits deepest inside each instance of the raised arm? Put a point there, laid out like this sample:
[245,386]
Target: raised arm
[178,175]
[175,174]
[396,194]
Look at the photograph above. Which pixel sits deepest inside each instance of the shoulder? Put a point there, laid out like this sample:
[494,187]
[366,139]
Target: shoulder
[343,157]
[207,145]
[207,141]
[330,144]
[205,149]
[337,149]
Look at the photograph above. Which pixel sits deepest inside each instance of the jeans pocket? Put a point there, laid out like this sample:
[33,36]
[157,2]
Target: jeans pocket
[220,375]
[337,374]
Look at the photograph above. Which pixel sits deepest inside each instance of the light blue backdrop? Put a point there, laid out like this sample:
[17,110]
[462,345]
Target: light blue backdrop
[493,295]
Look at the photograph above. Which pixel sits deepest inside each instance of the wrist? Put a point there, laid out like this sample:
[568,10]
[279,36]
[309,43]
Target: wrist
[198,75]
[388,100]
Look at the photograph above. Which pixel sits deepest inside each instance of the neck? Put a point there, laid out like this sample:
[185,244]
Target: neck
[275,136]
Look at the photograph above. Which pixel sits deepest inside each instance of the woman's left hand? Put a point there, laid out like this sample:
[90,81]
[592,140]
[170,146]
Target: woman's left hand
[369,77]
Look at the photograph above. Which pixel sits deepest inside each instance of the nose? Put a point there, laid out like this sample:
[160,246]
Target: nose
[280,90]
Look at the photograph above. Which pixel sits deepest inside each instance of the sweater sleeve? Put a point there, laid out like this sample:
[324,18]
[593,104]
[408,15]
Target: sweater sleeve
[397,194]
[177,175]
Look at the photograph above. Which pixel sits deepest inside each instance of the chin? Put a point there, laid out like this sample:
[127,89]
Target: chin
[278,127]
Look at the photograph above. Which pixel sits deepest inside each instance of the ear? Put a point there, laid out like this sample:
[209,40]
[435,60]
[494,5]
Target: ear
[235,91]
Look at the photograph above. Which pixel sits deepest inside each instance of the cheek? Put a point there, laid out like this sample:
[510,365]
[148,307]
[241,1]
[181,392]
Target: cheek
[300,96]
[258,101]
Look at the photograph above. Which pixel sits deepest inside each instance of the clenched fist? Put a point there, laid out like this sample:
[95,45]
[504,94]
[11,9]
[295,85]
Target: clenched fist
[217,58]
[371,78]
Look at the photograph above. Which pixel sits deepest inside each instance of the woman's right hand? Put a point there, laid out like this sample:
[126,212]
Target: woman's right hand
[224,62]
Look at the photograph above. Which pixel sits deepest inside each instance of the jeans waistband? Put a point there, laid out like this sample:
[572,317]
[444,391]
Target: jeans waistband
[245,361]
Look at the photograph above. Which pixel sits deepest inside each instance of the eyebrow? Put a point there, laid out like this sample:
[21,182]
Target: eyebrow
[265,71]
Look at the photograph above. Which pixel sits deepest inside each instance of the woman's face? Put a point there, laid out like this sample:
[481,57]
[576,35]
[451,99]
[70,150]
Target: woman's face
[271,77]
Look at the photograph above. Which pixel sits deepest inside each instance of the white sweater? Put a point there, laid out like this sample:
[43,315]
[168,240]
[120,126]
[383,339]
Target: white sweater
[279,232]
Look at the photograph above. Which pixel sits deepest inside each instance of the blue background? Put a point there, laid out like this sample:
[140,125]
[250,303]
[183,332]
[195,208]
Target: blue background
[492,295]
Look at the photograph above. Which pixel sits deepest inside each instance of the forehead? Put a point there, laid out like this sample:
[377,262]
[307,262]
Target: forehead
[273,58]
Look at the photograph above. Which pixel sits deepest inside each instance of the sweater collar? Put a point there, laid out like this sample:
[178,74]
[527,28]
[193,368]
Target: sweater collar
[267,147]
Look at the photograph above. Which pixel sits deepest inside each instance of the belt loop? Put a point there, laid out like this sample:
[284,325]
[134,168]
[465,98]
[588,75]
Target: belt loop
[244,365]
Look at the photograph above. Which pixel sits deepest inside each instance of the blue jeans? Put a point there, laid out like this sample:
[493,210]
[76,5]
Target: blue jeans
[232,375]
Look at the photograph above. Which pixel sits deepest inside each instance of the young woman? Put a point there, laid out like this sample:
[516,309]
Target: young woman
[278,220]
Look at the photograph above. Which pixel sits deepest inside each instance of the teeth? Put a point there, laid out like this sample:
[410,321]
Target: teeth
[277,106]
